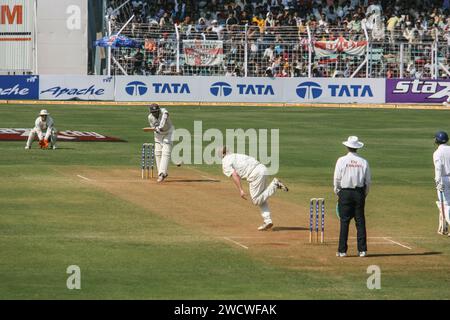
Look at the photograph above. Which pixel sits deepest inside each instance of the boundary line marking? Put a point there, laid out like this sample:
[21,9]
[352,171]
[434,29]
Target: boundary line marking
[235,242]
[84,178]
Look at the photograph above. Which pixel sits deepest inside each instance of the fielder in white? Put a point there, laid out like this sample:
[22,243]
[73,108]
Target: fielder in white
[45,131]
[240,166]
[441,159]
[161,124]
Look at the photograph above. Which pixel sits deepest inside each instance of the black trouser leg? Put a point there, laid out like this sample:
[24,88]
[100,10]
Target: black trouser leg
[346,213]
[360,222]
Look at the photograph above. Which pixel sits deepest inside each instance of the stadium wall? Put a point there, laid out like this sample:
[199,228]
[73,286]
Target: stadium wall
[224,90]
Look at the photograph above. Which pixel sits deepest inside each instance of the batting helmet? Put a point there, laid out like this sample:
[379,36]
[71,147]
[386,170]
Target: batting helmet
[154,108]
[441,137]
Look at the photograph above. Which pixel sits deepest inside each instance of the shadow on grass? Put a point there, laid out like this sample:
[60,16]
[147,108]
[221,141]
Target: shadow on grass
[289,229]
[192,181]
[402,254]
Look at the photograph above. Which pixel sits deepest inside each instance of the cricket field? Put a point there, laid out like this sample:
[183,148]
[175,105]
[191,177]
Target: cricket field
[193,237]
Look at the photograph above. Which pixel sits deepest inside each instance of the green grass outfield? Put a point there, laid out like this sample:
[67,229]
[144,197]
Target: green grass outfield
[42,212]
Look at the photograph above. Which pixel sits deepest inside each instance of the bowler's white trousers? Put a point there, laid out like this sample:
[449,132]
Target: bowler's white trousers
[260,192]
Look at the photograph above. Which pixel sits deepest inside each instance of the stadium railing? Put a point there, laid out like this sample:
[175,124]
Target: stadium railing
[298,51]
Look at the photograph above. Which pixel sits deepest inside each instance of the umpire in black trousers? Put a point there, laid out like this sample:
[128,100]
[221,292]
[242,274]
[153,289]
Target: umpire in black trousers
[351,184]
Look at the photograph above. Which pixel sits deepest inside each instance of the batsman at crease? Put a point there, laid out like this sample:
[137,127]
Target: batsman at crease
[163,128]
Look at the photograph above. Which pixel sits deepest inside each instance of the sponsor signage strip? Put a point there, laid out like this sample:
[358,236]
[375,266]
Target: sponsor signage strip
[258,90]
[417,91]
[19,87]
[76,88]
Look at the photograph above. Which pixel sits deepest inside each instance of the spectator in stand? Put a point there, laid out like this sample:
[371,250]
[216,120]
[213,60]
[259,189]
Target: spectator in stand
[138,62]
[392,24]
[218,29]
[231,21]
[269,53]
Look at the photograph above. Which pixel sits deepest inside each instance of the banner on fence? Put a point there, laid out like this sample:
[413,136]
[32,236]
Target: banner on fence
[57,87]
[203,53]
[340,45]
[417,91]
[19,87]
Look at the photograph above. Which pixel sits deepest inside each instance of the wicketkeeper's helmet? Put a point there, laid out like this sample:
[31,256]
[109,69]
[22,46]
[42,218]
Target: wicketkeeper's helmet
[441,137]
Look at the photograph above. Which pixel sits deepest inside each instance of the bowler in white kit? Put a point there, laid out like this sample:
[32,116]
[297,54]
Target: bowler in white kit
[241,166]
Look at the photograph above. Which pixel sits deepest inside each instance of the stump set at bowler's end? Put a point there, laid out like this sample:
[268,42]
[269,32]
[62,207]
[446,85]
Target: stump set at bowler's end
[319,205]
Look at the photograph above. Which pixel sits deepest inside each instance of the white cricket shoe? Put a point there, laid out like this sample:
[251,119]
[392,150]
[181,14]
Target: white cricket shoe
[54,147]
[162,177]
[362,254]
[341,254]
[27,148]
[280,185]
[266,226]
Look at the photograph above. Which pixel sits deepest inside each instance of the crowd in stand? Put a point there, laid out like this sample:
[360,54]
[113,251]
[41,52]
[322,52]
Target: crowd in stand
[275,28]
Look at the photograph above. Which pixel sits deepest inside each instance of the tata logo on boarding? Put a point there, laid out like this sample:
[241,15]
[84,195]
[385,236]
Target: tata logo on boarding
[309,90]
[312,90]
[353,90]
[59,91]
[221,89]
[255,89]
[171,88]
[136,88]
[11,16]
[435,89]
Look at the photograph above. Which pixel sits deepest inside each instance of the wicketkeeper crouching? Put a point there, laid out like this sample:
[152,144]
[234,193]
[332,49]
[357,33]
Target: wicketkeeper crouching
[45,131]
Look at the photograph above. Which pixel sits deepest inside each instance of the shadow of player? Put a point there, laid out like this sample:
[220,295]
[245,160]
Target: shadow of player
[375,255]
[289,229]
[192,181]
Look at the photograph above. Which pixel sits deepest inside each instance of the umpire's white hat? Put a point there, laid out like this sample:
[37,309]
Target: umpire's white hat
[353,142]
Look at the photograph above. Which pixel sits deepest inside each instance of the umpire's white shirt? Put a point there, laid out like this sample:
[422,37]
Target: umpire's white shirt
[441,159]
[243,164]
[351,171]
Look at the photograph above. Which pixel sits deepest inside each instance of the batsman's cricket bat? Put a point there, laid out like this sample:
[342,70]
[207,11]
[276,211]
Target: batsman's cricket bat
[148,129]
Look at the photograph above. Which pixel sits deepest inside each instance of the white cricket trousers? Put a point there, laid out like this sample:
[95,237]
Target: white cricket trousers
[446,193]
[260,192]
[51,136]
[163,151]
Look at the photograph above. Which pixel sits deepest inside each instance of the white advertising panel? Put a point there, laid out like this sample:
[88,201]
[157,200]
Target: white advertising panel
[204,89]
[55,87]
[62,37]
[334,90]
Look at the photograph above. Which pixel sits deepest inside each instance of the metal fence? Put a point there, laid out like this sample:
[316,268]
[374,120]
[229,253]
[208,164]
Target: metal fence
[301,51]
